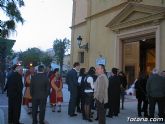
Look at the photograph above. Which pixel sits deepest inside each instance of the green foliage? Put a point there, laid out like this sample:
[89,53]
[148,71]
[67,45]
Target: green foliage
[60,48]
[11,9]
[11,53]
[45,59]
[34,56]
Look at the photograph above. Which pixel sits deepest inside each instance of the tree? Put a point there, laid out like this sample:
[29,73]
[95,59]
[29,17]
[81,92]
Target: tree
[45,59]
[11,9]
[60,48]
[34,56]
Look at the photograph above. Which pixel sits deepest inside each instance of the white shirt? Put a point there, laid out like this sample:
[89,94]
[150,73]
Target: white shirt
[79,79]
[90,80]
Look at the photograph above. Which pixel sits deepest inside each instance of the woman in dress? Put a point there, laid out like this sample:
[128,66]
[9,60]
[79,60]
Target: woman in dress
[27,99]
[89,90]
[56,96]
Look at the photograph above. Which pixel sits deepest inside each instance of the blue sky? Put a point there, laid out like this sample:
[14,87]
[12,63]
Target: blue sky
[45,20]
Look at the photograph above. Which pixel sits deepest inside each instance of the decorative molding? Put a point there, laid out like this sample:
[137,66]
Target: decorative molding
[138,1]
[153,18]
[150,14]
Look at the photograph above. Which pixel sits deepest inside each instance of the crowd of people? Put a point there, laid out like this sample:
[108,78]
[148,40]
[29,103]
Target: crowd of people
[38,85]
[103,92]
[149,91]
[91,89]
[96,90]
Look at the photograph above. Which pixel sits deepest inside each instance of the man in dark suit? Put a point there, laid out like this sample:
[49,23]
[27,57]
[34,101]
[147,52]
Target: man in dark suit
[114,94]
[14,88]
[39,89]
[72,81]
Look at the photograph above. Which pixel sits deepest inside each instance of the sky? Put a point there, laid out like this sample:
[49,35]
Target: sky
[45,21]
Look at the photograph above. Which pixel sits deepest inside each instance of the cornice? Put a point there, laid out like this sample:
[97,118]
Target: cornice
[78,24]
[155,18]
[153,14]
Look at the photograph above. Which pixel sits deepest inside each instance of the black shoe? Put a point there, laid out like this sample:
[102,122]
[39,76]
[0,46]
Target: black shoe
[96,118]
[59,111]
[145,115]
[43,123]
[116,115]
[90,120]
[110,116]
[78,110]
[29,112]
[73,115]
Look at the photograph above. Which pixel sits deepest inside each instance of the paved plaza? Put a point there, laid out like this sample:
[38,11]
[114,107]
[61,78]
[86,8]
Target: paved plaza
[63,118]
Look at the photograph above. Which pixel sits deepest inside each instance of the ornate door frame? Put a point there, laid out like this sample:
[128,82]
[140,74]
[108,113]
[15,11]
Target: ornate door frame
[140,33]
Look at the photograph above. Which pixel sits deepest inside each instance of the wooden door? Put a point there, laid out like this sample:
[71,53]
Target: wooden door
[131,60]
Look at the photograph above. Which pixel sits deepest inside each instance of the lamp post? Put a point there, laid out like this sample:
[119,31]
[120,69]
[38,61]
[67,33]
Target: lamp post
[79,41]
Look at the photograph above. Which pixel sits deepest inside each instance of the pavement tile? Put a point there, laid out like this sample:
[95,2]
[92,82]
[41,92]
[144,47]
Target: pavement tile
[63,118]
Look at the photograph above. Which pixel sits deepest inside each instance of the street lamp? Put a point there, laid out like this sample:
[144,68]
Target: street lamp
[85,46]
[31,64]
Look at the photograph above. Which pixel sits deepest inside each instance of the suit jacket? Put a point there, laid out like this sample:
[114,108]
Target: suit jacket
[114,88]
[39,86]
[140,87]
[14,85]
[155,86]
[72,79]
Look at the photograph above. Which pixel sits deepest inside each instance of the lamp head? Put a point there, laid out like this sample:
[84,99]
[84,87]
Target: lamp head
[79,40]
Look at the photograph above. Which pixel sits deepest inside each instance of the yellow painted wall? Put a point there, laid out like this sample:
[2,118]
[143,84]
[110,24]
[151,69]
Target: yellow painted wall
[98,6]
[81,30]
[101,5]
[80,10]
[101,39]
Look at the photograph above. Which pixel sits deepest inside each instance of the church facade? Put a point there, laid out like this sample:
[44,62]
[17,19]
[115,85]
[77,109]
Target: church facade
[127,34]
